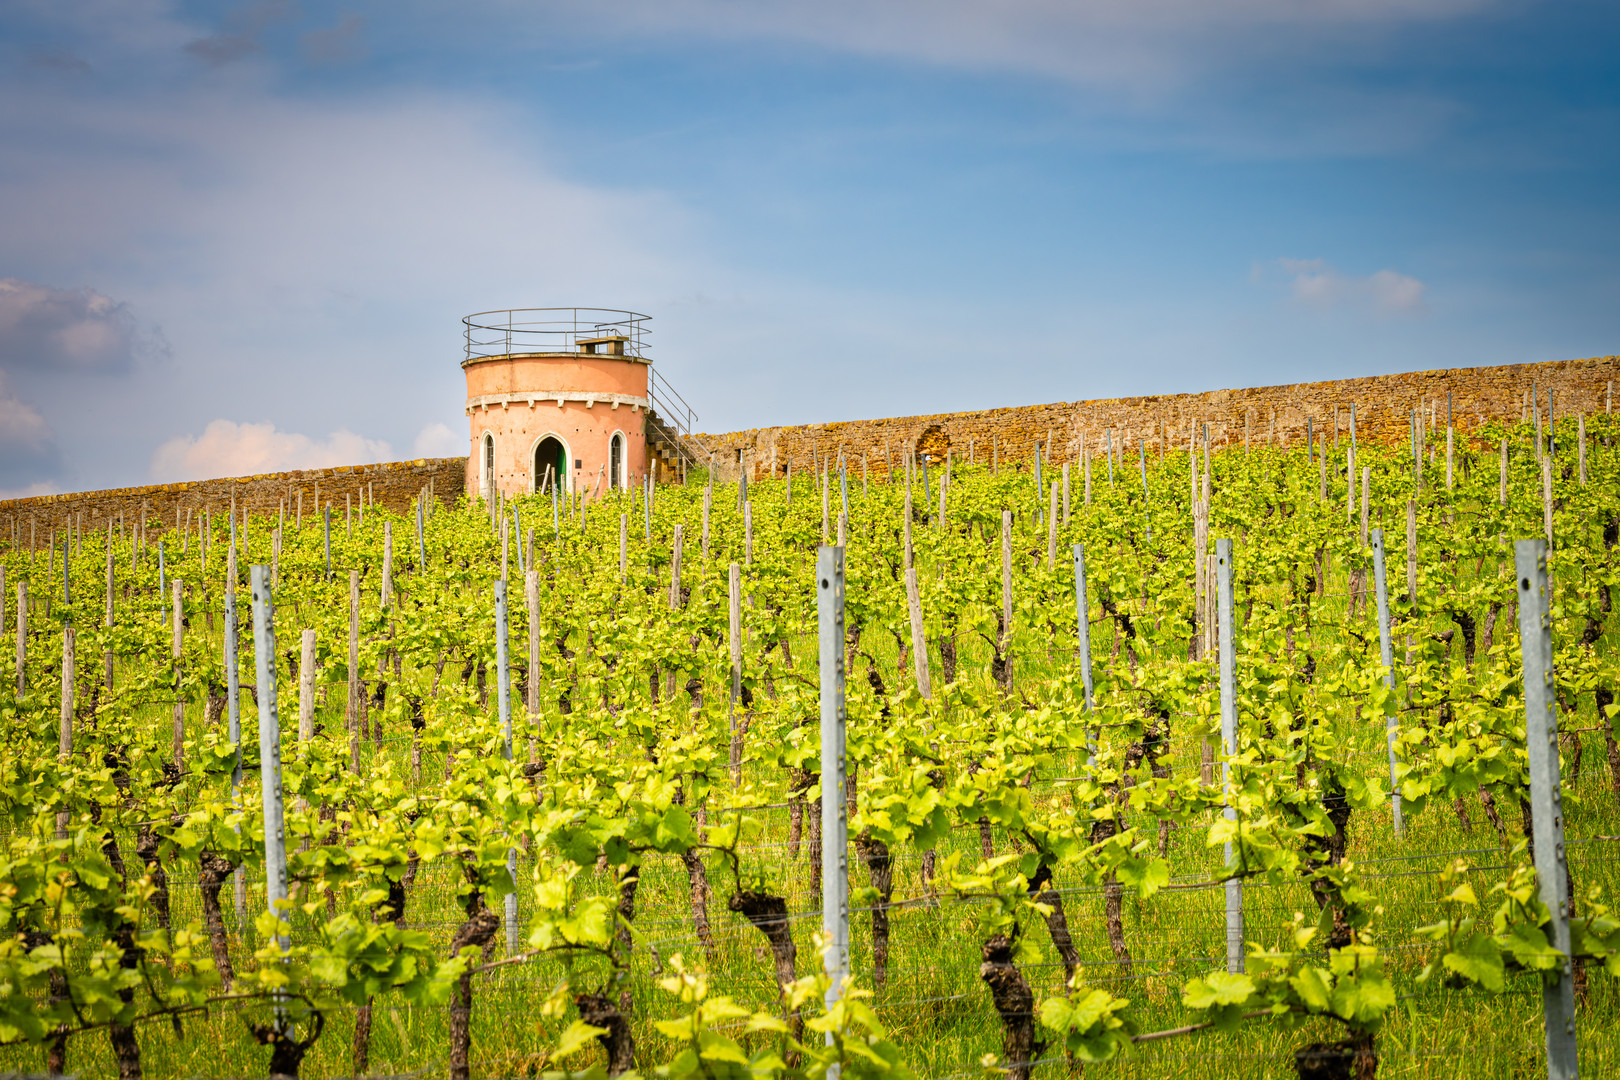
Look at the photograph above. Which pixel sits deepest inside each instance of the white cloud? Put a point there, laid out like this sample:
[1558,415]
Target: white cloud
[226,448]
[21,425]
[1388,292]
[64,329]
[437,440]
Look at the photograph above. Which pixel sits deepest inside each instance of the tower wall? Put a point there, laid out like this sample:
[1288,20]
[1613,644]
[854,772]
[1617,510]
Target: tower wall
[582,400]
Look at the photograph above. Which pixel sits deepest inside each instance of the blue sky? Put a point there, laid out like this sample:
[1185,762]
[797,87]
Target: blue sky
[239,237]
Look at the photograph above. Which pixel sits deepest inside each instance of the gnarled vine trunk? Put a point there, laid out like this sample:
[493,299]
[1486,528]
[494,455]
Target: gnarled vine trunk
[769,915]
[1015,1002]
[598,1010]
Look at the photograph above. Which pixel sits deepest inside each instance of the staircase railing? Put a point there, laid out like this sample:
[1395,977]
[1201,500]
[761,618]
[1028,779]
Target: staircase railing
[674,412]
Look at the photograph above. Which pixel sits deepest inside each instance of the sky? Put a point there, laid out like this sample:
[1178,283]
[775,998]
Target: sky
[237,238]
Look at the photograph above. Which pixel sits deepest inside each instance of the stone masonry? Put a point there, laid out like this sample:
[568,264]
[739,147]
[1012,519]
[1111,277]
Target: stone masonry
[1265,415]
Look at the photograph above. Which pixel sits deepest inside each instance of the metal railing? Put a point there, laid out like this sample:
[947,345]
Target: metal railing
[542,330]
[674,413]
[561,330]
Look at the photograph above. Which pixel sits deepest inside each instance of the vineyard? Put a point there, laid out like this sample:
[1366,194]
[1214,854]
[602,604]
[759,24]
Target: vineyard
[1163,762]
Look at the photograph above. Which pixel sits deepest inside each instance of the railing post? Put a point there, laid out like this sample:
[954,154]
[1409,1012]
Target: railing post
[1386,655]
[1228,651]
[834,826]
[1546,801]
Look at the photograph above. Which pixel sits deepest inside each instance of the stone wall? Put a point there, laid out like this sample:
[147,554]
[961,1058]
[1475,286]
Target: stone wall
[392,484]
[1263,414]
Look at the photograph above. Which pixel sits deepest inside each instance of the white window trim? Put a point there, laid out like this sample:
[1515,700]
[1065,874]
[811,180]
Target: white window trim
[486,480]
[624,456]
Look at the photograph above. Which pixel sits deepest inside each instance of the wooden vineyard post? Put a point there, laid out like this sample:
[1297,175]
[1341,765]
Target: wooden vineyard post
[353,711]
[264,659]
[1386,652]
[1051,525]
[675,568]
[1065,494]
[1450,441]
[905,522]
[1411,551]
[826,505]
[748,533]
[1547,501]
[421,539]
[503,700]
[843,488]
[177,653]
[624,535]
[1228,650]
[1366,499]
[388,562]
[919,640]
[734,640]
[1546,802]
[1580,435]
[834,822]
[708,494]
[65,716]
[1006,600]
[1501,495]
[326,539]
[306,686]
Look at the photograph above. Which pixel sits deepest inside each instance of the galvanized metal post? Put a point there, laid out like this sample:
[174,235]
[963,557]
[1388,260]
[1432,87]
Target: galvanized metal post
[421,542]
[503,699]
[734,640]
[264,659]
[326,539]
[834,826]
[163,583]
[1083,635]
[1546,801]
[1228,651]
[1386,654]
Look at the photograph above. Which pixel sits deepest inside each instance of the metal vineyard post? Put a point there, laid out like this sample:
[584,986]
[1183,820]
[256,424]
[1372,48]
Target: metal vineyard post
[1386,655]
[1546,801]
[1228,651]
[834,825]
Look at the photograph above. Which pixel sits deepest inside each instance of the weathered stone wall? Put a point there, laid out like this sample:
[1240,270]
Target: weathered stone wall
[392,484]
[1383,405]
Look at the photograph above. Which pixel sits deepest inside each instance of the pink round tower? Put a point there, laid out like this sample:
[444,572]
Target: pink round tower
[559,395]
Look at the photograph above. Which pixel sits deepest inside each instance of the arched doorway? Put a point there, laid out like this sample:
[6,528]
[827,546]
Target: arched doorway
[550,455]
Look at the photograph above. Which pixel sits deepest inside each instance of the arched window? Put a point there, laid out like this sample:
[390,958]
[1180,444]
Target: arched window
[616,460]
[489,466]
